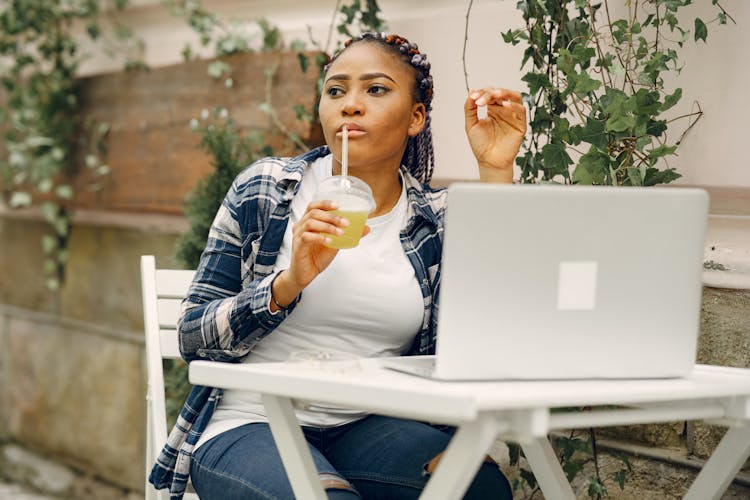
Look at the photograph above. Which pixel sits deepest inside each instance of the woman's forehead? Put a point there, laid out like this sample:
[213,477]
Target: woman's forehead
[369,57]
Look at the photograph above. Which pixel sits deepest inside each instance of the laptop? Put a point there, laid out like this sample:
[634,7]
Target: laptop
[567,282]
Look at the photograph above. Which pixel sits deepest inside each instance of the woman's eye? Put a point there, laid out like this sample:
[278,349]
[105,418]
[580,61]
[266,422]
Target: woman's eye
[377,89]
[335,91]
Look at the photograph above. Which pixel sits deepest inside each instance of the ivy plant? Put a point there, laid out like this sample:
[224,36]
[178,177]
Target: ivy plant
[599,115]
[599,107]
[40,119]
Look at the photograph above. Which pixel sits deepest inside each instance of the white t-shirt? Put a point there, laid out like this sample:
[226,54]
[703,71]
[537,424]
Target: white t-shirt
[367,303]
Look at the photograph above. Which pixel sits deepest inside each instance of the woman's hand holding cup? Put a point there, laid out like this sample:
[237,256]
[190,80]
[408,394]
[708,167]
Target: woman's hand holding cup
[335,219]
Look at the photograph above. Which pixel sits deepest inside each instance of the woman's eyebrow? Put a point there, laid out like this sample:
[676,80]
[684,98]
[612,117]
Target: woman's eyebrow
[365,76]
[372,76]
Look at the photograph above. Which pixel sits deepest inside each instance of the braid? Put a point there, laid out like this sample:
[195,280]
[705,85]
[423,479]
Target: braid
[419,157]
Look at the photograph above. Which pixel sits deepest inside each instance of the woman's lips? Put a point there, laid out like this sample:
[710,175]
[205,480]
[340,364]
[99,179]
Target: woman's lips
[353,133]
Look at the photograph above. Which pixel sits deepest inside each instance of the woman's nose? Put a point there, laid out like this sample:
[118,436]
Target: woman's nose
[352,105]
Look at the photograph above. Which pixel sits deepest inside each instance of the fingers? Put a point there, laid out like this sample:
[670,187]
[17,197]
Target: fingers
[502,105]
[494,95]
[318,222]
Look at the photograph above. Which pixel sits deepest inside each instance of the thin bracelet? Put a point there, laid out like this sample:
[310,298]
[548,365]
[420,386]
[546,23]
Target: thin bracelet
[276,303]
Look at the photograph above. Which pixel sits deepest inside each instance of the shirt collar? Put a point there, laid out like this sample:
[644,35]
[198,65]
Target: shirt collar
[293,171]
[419,206]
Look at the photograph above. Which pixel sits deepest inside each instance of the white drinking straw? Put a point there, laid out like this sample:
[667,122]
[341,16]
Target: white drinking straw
[344,151]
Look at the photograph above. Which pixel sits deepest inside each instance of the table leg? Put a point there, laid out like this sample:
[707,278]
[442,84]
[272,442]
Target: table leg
[293,448]
[547,469]
[726,460]
[461,461]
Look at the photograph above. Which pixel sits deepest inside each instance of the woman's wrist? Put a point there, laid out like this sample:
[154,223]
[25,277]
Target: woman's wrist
[284,293]
[496,175]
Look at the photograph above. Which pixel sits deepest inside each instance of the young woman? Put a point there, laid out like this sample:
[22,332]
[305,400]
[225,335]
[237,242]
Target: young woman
[268,286]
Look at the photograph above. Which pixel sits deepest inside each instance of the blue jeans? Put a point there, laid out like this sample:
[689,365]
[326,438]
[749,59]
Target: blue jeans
[379,457]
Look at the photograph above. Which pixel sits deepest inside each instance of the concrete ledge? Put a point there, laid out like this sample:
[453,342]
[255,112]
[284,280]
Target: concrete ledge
[152,223]
[727,252]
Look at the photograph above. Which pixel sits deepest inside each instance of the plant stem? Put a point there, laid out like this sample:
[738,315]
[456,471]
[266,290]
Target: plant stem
[595,454]
[725,12]
[330,28]
[272,112]
[466,40]
[698,115]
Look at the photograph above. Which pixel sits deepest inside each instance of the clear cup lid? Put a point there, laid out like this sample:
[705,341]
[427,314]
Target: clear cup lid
[346,189]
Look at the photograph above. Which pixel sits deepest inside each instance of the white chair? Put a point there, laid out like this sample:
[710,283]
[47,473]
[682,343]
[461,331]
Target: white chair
[163,291]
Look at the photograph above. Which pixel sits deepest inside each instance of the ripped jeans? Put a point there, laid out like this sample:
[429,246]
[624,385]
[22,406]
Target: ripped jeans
[377,457]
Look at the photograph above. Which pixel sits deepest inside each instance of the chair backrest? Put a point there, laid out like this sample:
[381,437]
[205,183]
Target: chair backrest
[163,291]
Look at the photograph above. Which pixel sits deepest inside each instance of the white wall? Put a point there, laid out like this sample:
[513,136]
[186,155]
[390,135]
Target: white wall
[714,73]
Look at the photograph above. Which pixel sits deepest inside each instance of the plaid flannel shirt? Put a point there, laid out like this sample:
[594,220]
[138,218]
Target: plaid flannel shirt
[226,311]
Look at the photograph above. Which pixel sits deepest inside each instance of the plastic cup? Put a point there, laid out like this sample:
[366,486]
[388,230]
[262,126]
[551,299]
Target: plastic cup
[355,201]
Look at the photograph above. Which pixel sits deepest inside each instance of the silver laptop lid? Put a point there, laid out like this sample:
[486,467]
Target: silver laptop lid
[570,282]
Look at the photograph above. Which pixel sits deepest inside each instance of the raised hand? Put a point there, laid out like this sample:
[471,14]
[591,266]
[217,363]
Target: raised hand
[496,139]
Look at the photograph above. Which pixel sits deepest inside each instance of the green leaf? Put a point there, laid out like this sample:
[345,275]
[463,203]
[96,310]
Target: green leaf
[93,30]
[556,159]
[656,128]
[529,477]
[49,211]
[45,184]
[635,176]
[660,151]
[592,168]
[565,62]
[304,61]
[646,102]
[92,161]
[513,37]
[701,31]
[218,68]
[619,478]
[514,453]
[536,82]
[655,176]
[672,99]
[596,487]
[64,191]
[266,108]
[619,123]
[20,199]
[583,84]
[49,244]
[561,129]
[53,284]
[61,225]
[594,133]
[572,468]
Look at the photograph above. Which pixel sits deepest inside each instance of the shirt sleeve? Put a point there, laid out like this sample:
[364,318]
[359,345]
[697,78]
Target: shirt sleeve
[221,318]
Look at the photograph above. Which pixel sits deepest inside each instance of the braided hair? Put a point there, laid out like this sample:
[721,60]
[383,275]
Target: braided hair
[419,156]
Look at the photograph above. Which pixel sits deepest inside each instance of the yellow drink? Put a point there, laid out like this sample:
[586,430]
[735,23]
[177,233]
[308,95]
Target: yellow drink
[352,232]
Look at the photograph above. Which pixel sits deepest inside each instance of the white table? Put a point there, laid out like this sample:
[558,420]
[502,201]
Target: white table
[482,411]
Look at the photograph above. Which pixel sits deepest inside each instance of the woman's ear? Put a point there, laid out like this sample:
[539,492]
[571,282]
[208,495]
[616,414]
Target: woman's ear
[418,119]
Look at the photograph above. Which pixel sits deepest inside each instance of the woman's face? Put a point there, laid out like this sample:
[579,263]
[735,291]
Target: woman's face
[371,92]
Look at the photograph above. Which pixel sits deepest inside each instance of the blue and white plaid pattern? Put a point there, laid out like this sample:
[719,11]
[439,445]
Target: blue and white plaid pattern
[226,311]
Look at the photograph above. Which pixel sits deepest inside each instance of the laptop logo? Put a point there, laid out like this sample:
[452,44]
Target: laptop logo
[576,290]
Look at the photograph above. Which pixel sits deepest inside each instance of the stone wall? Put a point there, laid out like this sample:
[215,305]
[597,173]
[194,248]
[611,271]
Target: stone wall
[73,375]
[72,370]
